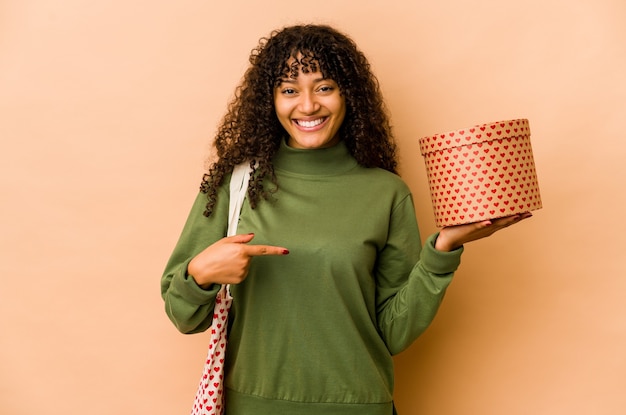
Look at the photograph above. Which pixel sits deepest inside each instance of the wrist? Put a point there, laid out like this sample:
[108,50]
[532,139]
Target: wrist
[194,273]
[443,244]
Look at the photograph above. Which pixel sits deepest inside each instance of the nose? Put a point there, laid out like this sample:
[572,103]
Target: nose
[308,103]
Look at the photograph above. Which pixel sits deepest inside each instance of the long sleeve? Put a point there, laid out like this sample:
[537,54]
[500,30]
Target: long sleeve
[411,280]
[187,305]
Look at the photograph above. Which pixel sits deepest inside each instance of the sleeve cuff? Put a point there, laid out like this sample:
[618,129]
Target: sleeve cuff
[439,262]
[187,288]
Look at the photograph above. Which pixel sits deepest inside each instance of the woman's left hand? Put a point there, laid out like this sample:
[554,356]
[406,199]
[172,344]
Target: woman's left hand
[453,237]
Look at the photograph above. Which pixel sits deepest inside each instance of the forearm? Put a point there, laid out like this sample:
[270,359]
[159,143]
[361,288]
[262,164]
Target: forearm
[408,313]
[187,305]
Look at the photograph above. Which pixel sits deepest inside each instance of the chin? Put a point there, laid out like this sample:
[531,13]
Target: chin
[312,144]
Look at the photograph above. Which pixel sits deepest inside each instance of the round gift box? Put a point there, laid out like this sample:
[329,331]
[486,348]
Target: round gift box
[482,172]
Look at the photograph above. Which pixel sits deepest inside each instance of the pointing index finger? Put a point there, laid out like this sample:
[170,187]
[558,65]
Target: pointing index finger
[261,250]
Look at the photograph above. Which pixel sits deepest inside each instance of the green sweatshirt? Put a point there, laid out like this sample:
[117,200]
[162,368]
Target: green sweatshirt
[313,332]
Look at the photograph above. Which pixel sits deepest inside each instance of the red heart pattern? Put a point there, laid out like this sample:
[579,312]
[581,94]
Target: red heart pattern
[209,398]
[482,172]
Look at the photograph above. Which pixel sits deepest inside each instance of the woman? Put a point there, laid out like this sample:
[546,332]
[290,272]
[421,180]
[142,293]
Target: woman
[329,275]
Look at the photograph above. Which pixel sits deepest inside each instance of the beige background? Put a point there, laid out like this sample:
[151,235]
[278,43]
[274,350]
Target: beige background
[106,112]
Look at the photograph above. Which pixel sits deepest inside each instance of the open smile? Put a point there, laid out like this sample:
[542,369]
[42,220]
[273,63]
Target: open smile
[308,124]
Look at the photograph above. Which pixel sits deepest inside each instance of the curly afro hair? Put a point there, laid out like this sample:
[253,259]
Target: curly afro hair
[250,130]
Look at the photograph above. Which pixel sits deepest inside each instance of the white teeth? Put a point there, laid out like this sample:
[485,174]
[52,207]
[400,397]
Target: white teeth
[309,124]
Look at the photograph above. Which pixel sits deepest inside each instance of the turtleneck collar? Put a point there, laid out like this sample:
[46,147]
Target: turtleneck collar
[317,162]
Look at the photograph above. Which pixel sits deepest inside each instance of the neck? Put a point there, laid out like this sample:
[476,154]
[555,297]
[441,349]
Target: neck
[321,161]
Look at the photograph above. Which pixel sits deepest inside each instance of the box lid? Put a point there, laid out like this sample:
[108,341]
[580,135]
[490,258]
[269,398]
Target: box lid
[476,134]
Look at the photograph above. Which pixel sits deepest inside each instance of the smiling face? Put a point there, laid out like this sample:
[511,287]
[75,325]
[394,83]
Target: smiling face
[311,109]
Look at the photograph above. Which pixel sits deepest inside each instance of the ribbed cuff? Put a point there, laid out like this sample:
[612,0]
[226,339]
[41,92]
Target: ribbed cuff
[439,262]
[187,288]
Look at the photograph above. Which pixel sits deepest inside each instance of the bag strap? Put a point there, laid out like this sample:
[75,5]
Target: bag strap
[238,189]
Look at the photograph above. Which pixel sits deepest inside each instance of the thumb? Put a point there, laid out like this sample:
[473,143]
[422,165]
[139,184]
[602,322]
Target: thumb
[241,238]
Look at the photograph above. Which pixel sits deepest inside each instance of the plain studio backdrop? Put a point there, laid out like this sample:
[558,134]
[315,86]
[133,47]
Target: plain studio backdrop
[107,110]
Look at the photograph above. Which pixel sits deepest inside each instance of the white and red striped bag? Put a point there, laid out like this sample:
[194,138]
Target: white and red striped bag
[209,398]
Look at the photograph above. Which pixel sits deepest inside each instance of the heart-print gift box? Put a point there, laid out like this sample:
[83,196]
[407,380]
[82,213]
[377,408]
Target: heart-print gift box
[482,172]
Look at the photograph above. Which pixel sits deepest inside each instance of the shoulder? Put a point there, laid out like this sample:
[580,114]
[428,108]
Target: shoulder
[379,186]
[378,177]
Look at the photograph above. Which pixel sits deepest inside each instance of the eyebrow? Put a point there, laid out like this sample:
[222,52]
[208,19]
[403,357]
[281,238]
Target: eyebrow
[294,81]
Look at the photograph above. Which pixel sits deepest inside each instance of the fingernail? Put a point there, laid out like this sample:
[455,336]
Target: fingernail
[251,233]
[285,251]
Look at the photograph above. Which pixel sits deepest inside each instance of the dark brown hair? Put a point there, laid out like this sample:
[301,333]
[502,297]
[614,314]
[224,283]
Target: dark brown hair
[250,130]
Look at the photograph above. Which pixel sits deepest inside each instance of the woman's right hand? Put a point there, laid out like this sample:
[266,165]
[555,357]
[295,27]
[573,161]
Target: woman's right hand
[227,261]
